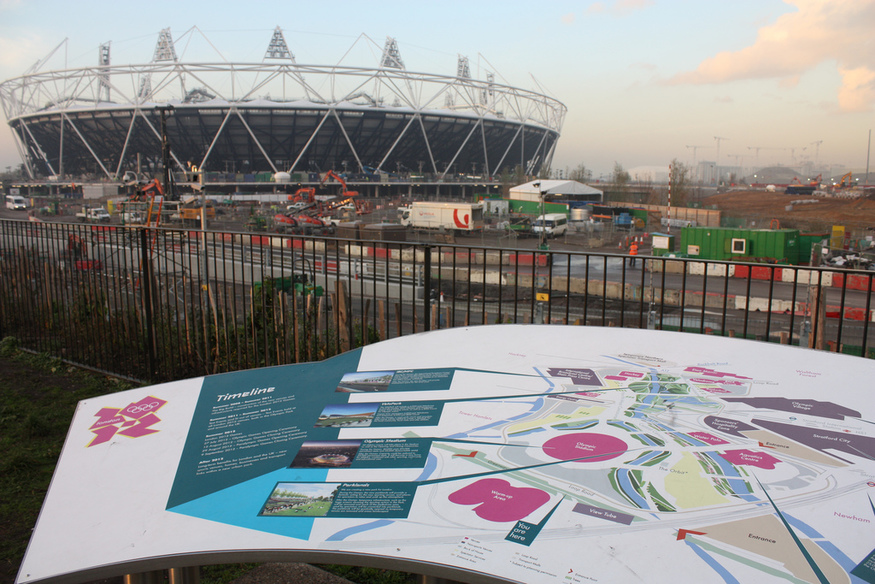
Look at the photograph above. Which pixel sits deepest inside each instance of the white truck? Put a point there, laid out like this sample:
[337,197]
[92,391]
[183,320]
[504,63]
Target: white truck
[93,215]
[443,216]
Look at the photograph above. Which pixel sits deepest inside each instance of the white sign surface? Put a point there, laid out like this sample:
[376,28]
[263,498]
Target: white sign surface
[536,454]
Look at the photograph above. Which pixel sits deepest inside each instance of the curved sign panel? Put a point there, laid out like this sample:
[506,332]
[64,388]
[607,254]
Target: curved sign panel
[536,454]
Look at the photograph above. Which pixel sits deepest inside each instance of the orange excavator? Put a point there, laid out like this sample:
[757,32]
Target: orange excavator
[844,185]
[343,190]
[346,198]
[147,192]
[303,195]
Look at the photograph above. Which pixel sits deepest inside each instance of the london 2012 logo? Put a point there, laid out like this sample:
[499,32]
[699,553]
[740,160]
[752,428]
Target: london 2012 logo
[134,421]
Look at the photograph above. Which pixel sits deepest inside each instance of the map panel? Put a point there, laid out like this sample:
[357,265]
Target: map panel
[519,453]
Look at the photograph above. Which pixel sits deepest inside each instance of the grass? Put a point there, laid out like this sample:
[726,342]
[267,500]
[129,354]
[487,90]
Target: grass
[38,396]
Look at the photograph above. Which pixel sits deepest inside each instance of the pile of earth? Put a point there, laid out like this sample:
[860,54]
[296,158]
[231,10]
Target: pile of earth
[805,212]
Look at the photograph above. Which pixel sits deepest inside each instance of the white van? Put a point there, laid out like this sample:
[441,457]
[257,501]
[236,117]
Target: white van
[16,202]
[552,224]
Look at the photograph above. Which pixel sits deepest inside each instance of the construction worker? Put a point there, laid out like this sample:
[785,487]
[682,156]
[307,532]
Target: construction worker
[633,251]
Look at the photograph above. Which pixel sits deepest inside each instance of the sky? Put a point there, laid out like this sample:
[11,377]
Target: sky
[744,83]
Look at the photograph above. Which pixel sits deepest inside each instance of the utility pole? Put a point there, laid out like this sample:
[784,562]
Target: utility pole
[169,191]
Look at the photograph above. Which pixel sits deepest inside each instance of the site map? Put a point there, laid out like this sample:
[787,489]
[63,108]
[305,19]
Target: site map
[533,454]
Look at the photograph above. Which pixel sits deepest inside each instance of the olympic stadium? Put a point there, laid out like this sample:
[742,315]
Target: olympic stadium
[275,116]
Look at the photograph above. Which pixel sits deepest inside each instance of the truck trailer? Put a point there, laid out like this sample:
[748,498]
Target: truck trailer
[442,216]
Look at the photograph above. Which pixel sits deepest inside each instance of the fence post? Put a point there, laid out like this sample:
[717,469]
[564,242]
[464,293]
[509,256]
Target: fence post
[146,289]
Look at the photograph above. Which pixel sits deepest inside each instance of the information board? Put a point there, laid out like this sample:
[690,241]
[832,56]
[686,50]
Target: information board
[507,453]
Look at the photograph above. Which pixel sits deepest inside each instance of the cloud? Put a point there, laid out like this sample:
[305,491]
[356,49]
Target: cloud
[643,66]
[17,54]
[857,92]
[568,18]
[619,7]
[838,31]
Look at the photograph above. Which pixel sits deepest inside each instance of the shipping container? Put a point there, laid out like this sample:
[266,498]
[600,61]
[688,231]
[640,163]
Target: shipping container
[749,245]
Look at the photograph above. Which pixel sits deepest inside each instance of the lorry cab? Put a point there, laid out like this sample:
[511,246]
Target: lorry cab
[551,224]
[16,202]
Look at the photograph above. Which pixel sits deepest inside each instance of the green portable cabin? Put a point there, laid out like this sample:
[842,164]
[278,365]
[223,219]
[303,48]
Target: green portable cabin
[748,245]
[663,243]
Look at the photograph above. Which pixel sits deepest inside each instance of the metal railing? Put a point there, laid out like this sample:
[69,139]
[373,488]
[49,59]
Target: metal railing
[161,304]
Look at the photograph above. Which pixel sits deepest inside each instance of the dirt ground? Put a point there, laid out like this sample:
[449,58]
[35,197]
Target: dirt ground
[857,214]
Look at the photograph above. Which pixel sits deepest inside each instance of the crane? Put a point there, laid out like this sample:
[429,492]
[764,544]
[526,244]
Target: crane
[816,144]
[717,160]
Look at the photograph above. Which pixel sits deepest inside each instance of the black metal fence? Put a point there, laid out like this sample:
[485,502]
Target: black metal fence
[157,304]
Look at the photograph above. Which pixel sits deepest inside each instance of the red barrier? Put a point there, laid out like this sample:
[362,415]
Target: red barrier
[855,282]
[765,273]
[528,259]
[329,266]
[88,265]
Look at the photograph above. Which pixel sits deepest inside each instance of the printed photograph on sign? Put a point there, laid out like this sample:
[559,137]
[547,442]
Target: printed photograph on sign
[299,500]
[347,415]
[365,381]
[326,454]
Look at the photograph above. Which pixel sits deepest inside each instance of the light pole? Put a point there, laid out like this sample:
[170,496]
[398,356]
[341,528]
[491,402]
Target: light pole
[541,240]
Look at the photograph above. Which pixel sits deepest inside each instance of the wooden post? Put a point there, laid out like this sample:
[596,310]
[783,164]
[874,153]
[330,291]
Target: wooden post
[365,321]
[398,319]
[381,318]
[342,310]
[190,575]
[295,329]
[818,318]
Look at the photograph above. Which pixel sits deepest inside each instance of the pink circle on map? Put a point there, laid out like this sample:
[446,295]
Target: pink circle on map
[584,447]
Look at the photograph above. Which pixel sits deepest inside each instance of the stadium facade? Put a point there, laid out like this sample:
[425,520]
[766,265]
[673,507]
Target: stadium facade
[275,116]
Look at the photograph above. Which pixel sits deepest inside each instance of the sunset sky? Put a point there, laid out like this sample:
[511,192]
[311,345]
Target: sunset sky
[645,81]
